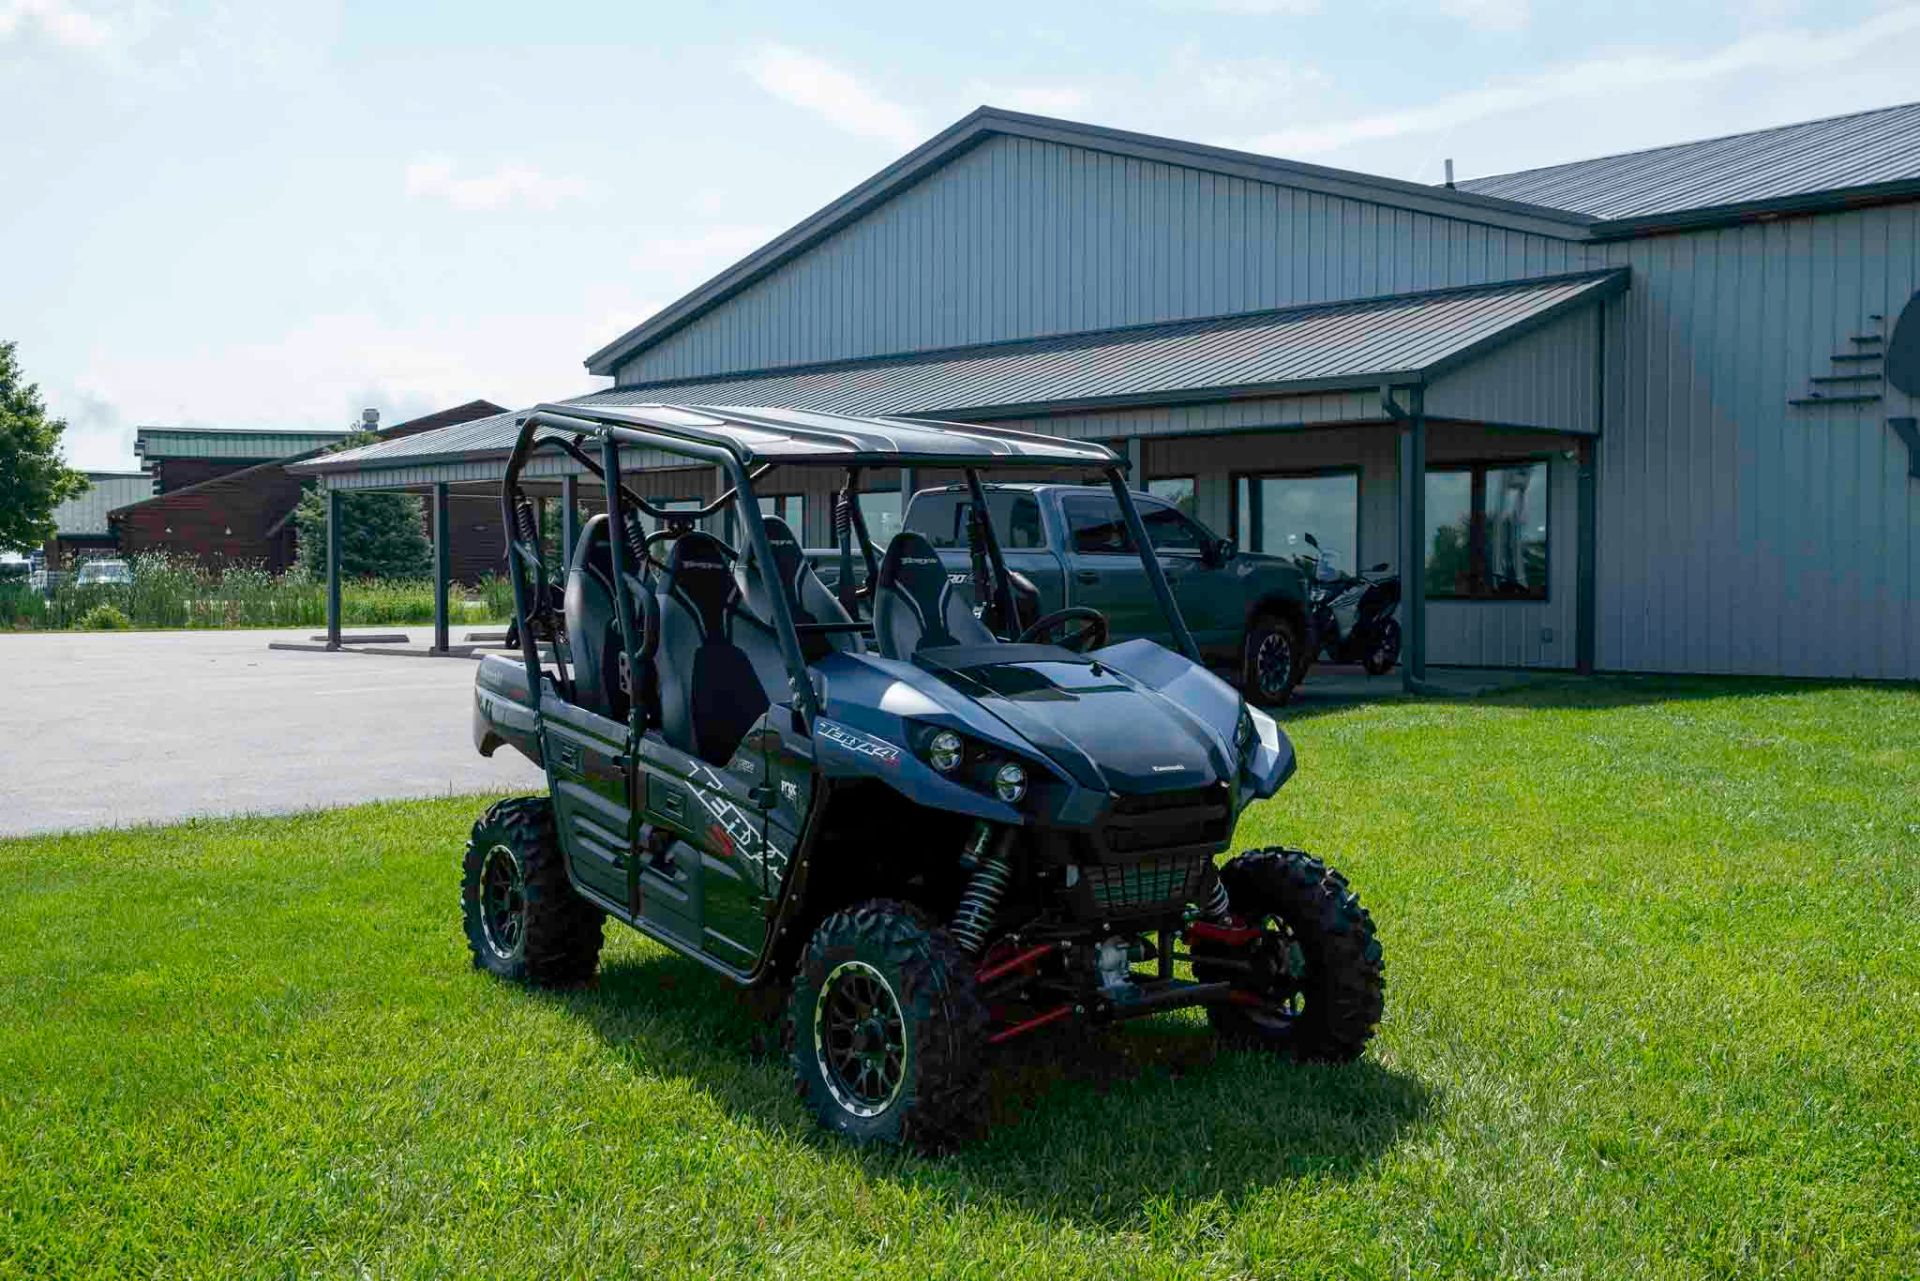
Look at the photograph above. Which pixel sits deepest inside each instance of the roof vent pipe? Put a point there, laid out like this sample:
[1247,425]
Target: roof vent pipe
[370,419]
[1449,173]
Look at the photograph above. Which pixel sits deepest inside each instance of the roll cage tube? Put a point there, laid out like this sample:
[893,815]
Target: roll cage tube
[1001,604]
[740,492]
[1155,578]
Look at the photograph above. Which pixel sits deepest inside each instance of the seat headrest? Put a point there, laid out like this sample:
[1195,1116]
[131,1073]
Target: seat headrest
[788,562]
[912,568]
[699,577]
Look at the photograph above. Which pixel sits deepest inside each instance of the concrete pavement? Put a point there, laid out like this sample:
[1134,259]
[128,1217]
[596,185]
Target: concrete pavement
[100,728]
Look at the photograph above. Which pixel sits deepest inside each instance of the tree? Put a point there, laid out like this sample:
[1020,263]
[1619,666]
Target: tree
[381,535]
[33,477]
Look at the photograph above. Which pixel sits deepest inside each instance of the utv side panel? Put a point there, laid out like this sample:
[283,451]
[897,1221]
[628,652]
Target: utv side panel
[503,709]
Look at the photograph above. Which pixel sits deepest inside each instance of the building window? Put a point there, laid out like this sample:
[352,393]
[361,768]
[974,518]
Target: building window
[1175,491]
[1487,531]
[881,512]
[1275,513]
[791,508]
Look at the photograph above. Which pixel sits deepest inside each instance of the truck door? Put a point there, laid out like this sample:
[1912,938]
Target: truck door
[1104,571]
[1211,601]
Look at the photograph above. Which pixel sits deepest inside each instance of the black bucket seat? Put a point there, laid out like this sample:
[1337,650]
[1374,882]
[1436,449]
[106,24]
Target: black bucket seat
[914,604]
[807,597]
[593,634]
[714,658]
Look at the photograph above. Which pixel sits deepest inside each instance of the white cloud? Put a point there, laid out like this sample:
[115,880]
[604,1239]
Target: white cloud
[1037,99]
[1244,87]
[1624,77]
[435,178]
[697,256]
[1246,8]
[1490,15]
[836,96]
[55,20]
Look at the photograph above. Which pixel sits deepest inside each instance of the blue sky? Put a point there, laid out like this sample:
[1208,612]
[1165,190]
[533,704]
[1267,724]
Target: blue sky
[249,214]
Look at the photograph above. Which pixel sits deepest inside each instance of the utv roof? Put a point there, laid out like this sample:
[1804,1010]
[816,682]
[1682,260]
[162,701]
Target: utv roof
[792,437]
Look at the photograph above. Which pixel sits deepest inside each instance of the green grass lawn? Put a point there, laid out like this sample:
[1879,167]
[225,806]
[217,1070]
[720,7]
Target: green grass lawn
[1653,1009]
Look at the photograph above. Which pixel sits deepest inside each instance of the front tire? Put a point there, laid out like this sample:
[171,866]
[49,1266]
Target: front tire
[1273,660]
[1385,650]
[886,1030]
[1317,981]
[524,920]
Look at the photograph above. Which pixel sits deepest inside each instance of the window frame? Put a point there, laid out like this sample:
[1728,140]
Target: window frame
[1296,473]
[1477,529]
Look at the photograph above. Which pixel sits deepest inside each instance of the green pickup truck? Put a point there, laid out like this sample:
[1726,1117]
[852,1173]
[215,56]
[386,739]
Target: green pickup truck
[1247,612]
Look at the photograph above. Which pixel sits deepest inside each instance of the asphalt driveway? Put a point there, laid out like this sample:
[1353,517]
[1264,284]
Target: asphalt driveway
[104,728]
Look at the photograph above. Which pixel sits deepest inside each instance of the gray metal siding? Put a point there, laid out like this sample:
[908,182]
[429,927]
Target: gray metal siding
[1019,238]
[1542,379]
[1737,533]
[85,514]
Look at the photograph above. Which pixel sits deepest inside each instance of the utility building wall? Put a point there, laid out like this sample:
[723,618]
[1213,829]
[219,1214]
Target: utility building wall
[1019,238]
[1739,533]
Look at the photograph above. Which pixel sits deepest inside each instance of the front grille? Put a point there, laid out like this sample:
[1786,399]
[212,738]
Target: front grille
[1149,883]
[1164,820]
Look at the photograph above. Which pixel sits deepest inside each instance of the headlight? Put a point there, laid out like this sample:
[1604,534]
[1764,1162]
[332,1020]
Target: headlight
[1243,733]
[944,751]
[1010,783]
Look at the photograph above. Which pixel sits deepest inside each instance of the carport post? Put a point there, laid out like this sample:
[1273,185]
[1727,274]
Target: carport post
[1413,536]
[442,566]
[569,518]
[335,512]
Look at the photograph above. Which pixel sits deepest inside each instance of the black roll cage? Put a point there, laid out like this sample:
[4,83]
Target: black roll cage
[566,425]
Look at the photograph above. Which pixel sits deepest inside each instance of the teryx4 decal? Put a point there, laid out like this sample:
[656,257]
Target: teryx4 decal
[742,835]
[859,744]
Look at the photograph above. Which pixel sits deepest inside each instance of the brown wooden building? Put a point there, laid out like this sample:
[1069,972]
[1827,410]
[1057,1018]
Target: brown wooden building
[220,502]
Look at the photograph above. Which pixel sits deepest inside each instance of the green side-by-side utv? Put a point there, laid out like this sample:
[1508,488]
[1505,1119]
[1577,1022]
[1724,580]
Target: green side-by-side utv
[936,827]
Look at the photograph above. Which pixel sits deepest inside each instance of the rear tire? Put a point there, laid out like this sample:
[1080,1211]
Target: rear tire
[524,920]
[1321,979]
[1272,660]
[886,1030]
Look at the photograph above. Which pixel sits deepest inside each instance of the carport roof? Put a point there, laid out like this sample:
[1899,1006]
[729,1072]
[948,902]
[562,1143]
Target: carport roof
[1401,340]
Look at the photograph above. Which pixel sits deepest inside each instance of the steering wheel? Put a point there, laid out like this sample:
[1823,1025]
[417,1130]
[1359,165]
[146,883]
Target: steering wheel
[1090,636]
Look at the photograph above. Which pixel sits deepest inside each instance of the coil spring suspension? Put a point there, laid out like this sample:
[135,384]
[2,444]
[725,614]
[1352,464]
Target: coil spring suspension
[529,527]
[1217,908]
[974,918]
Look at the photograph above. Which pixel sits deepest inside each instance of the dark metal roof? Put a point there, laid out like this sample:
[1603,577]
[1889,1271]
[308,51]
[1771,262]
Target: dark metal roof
[765,435]
[985,122]
[1403,339]
[1865,150]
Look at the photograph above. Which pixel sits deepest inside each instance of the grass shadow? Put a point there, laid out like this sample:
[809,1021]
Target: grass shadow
[1101,1126]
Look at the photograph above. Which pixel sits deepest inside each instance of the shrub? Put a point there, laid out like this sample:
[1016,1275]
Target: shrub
[105,618]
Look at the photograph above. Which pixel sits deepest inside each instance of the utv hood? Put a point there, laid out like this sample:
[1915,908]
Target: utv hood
[1103,728]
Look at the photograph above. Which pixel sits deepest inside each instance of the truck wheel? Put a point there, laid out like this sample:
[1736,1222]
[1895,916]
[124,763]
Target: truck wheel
[523,918]
[886,1030]
[1316,982]
[1274,660]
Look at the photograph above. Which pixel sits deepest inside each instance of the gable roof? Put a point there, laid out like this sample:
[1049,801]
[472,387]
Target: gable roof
[1398,340]
[988,122]
[1869,152]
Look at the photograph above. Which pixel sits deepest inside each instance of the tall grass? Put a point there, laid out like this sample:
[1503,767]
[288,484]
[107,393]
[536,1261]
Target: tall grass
[175,592]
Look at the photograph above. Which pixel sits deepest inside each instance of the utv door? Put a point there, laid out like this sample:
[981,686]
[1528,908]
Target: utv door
[587,759]
[702,881]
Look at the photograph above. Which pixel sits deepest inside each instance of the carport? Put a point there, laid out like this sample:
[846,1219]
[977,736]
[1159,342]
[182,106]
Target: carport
[1504,365]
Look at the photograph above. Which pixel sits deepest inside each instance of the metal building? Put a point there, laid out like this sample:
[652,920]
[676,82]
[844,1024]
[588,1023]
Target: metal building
[1628,414]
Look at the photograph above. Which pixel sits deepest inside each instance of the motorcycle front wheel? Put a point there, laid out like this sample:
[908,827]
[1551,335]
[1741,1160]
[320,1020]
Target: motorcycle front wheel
[1385,650]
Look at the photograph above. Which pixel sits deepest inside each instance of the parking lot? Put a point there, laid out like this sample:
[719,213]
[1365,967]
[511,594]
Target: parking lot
[141,727]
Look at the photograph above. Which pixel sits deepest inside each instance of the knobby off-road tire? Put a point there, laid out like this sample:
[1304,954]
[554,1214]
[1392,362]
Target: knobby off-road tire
[1272,660]
[886,1030]
[1331,984]
[524,921]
